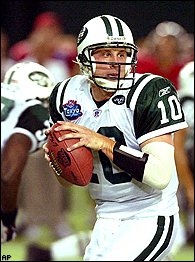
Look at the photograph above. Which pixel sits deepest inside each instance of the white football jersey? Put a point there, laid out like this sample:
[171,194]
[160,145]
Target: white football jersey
[150,108]
[19,115]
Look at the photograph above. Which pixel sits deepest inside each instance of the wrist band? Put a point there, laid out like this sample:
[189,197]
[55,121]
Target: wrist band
[130,160]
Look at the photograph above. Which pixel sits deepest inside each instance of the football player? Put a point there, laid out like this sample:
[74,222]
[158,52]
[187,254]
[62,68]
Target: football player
[24,119]
[128,120]
[184,153]
[184,158]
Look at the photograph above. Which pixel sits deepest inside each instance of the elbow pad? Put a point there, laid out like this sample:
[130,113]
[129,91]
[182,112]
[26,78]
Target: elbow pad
[154,166]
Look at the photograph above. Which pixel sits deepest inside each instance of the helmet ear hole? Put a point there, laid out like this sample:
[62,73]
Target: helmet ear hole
[82,58]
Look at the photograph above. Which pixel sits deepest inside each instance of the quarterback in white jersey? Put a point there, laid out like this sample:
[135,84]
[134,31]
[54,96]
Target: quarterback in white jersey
[128,121]
[24,119]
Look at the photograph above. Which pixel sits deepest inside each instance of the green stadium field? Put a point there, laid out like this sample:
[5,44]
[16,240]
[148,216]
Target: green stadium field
[81,210]
[17,250]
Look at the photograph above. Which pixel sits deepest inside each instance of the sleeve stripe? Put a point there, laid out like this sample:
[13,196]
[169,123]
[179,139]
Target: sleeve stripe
[31,136]
[56,100]
[129,97]
[53,104]
[139,89]
[61,98]
[131,151]
[162,131]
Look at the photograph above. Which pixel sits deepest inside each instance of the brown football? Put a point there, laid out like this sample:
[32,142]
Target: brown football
[76,166]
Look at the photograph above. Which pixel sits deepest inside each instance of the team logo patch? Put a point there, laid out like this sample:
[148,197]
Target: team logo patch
[39,78]
[72,110]
[118,100]
[82,35]
[164,91]
[97,112]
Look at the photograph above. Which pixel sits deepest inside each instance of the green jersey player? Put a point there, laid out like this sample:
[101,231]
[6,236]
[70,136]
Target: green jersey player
[128,120]
[24,119]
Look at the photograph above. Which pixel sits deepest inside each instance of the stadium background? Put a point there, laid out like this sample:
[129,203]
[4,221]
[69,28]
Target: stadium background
[142,16]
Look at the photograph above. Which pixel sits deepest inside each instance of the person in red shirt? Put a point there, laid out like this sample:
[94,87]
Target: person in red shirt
[161,51]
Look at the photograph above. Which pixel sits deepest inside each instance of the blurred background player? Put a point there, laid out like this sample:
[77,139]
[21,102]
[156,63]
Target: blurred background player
[6,61]
[165,50]
[184,141]
[24,119]
[184,158]
[48,45]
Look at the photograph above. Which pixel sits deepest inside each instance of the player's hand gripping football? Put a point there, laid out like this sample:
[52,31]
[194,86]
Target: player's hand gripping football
[86,136]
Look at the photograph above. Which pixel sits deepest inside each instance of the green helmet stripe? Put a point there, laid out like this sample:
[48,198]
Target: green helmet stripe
[120,29]
[107,25]
[10,77]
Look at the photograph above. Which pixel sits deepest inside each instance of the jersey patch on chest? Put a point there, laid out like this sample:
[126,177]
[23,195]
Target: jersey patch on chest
[118,100]
[72,110]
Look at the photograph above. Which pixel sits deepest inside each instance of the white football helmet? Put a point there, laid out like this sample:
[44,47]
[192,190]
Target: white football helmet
[106,31]
[33,79]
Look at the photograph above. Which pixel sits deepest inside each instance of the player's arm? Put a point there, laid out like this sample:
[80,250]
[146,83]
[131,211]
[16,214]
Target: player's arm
[153,165]
[28,137]
[13,160]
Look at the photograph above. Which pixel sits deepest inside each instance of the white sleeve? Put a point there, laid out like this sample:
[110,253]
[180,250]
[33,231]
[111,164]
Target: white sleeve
[160,165]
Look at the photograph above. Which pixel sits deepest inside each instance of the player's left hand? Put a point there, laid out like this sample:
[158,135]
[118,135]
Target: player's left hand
[7,233]
[8,228]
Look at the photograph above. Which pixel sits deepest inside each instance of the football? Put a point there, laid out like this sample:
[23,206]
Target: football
[76,166]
